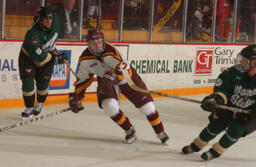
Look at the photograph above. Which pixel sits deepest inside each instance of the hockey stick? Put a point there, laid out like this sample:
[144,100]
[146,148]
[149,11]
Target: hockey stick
[25,122]
[135,87]
[73,72]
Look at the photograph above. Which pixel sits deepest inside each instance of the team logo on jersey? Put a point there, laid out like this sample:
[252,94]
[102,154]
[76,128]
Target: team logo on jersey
[61,74]
[35,41]
[218,82]
[204,61]
[38,51]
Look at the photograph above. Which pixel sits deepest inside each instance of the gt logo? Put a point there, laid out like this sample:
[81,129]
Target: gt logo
[204,61]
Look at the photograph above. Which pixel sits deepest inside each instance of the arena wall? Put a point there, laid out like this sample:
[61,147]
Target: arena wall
[178,69]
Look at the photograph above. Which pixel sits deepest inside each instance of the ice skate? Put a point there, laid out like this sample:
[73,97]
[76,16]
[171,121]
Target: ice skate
[38,108]
[209,155]
[189,149]
[163,136]
[28,113]
[130,135]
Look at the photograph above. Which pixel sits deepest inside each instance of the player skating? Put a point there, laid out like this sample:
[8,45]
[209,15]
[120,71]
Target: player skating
[234,87]
[37,58]
[104,61]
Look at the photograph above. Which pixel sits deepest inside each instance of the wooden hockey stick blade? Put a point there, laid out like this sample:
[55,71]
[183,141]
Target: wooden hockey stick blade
[135,87]
[33,120]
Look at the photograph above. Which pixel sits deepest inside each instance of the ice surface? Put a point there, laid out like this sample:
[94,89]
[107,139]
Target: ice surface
[91,139]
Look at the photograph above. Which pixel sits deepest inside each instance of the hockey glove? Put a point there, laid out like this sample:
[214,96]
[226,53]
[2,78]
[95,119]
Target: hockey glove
[209,102]
[60,58]
[75,102]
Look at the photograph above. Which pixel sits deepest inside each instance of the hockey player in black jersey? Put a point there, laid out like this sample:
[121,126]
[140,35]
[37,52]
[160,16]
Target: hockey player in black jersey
[235,87]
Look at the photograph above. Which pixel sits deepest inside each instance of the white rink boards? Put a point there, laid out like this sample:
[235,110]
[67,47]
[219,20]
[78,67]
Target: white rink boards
[91,139]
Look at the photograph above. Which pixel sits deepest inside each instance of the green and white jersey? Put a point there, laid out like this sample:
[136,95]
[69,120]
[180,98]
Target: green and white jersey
[38,43]
[239,89]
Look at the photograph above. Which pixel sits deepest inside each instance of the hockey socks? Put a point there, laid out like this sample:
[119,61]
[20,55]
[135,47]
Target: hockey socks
[29,100]
[121,120]
[156,123]
[234,132]
[41,98]
[209,133]
[195,146]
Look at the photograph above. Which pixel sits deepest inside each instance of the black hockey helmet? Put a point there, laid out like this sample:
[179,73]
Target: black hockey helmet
[45,12]
[249,52]
[245,57]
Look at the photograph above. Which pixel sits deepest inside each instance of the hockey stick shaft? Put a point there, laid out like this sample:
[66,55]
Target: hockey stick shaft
[135,87]
[73,72]
[33,120]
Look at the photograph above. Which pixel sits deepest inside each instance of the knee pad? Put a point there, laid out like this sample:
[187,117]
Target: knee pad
[28,84]
[235,130]
[42,86]
[110,106]
[148,108]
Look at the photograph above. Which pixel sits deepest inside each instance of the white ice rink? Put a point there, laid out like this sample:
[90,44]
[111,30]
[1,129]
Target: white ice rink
[91,139]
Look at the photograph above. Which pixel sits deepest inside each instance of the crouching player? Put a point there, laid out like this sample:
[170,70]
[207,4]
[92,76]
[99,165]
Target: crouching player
[104,61]
[235,87]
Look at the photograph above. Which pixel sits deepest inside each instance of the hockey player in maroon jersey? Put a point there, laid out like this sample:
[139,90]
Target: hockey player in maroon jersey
[103,60]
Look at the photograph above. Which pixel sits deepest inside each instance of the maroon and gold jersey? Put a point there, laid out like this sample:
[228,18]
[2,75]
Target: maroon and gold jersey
[90,65]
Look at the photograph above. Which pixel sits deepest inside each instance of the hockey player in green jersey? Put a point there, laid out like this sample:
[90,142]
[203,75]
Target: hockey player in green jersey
[37,58]
[234,87]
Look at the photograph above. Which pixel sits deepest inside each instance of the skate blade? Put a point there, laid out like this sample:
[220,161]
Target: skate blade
[27,118]
[131,140]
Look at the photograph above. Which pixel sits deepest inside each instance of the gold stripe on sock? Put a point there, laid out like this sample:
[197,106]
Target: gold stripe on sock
[218,148]
[200,143]
[156,121]
[121,120]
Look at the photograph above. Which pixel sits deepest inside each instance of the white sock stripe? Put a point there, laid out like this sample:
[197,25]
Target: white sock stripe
[211,133]
[230,138]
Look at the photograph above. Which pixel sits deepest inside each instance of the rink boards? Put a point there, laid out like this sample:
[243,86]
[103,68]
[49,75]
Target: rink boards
[178,69]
